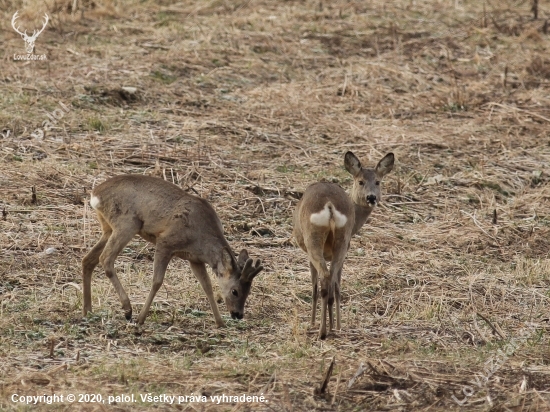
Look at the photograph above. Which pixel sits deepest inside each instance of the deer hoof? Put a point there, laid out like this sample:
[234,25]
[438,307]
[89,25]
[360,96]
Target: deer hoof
[128,315]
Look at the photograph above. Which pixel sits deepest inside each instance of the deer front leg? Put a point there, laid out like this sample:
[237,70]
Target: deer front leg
[162,258]
[199,270]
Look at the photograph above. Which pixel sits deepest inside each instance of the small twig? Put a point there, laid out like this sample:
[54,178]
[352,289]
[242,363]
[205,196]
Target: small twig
[535,9]
[344,86]
[266,386]
[193,190]
[477,224]
[56,369]
[336,389]
[360,371]
[393,313]
[540,397]
[481,335]
[262,191]
[321,390]
[504,106]
[497,331]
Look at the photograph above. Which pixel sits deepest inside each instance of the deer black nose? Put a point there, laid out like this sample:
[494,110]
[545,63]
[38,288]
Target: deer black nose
[371,199]
[236,315]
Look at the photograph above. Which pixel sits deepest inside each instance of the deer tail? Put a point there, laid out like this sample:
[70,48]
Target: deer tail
[332,222]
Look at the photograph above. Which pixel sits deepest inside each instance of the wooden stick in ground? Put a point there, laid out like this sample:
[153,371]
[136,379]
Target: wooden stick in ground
[321,390]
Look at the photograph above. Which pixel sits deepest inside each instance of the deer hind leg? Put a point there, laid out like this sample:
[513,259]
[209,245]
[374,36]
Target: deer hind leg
[315,284]
[89,263]
[333,297]
[199,270]
[336,276]
[162,258]
[326,293]
[337,299]
[114,246]
[317,259]
[330,308]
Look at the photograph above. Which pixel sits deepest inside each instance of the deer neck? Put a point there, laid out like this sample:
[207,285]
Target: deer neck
[361,215]
[213,255]
[208,251]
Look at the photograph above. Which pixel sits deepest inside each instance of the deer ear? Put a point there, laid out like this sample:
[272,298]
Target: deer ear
[385,165]
[243,257]
[227,263]
[352,163]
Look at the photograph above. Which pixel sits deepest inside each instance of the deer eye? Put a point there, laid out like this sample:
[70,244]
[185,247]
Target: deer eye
[361,183]
[377,183]
[234,292]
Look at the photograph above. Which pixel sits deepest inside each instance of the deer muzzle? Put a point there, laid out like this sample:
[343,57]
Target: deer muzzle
[236,315]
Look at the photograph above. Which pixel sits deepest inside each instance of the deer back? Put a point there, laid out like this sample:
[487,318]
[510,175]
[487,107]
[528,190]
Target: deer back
[324,208]
[160,207]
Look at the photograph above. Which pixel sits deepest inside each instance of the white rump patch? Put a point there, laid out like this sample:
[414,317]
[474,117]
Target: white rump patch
[322,218]
[94,202]
[339,219]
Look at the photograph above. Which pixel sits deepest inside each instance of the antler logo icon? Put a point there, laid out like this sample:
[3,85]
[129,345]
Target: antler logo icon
[29,40]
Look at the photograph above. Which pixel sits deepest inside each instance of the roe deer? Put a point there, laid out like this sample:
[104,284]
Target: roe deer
[325,219]
[179,224]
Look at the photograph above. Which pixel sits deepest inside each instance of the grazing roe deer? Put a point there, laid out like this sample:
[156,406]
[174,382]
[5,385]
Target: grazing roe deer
[180,225]
[325,219]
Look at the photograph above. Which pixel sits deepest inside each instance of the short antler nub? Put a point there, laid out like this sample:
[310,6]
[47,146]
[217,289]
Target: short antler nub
[251,269]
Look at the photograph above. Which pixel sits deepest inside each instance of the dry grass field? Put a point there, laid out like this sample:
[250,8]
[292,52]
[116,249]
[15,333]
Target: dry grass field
[246,103]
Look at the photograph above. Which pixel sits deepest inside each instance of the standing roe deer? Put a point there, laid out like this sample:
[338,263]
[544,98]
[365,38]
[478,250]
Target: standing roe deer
[325,219]
[179,224]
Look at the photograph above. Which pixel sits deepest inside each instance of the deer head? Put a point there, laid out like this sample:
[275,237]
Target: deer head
[29,40]
[366,181]
[236,280]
